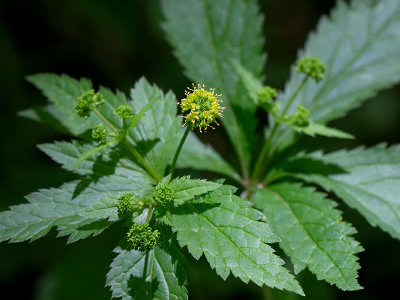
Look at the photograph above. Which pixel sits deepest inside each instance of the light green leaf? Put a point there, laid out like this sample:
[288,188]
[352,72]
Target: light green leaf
[208,37]
[314,128]
[47,115]
[156,274]
[108,162]
[371,186]
[158,132]
[233,239]
[91,152]
[62,91]
[63,208]
[312,232]
[199,156]
[187,189]
[360,46]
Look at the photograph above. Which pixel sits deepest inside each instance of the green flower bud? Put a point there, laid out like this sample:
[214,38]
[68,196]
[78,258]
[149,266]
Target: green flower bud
[124,111]
[164,195]
[300,118]
[87,102]
[142,237]
[265,98]
[202,106]
[99,134]
[127,204]
[312,67]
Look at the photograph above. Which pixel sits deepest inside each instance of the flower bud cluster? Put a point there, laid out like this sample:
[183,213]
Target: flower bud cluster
[164,195]
[87,102]
[124,111]
[312,67]
[142,237]
[265,97]
[100,134]
[300,118]
[202,107]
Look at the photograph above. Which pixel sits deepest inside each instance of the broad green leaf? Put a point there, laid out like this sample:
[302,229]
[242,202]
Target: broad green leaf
[47,115]
[62,91]
[360,46]
[200,156]
[233,239]
[108,162]
[313,129]
[369,183]
[312,232]
[208,37]
[156,274]
[158,132]
[63,207]
[187,189]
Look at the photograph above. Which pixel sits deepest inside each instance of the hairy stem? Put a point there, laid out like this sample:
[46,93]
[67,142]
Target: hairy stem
[178,150]
[260,166]
[131,149]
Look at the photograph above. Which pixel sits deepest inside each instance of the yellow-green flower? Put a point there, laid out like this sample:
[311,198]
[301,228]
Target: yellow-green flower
[202,107]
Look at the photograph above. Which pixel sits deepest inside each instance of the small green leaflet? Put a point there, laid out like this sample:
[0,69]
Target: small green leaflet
[156,274]
[187,189]
[370,183]
[313,129]
[312,232]
[230,234]
[208,36]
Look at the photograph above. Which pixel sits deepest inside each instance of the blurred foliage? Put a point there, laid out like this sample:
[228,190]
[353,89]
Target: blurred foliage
[114,43]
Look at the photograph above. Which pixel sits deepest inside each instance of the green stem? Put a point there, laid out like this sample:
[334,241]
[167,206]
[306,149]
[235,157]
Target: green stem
[178,150]
[260,166]
[131,149]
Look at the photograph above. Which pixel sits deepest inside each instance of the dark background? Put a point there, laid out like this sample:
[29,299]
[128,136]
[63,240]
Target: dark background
[114,43]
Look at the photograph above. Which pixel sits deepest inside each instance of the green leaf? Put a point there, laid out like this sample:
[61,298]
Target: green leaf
[47,115]
[371,184]
[314,128]
[156,274]
[208,37]
[108,162]
[63,208]
[187,189]
[312,232]
[62,91]
[360,46]
[233,239]
[199,156]
[158,132]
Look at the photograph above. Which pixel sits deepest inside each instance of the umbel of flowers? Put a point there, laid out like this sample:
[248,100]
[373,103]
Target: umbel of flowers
[202,107]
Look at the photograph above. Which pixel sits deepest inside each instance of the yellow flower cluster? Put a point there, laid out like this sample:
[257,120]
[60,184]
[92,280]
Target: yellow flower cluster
[202,107]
